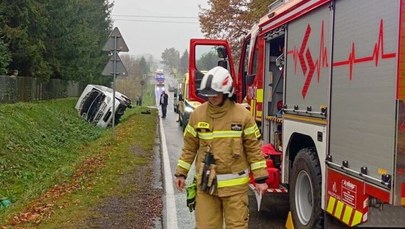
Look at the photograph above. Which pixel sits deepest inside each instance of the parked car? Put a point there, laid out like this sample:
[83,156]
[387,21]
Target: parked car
[96,102]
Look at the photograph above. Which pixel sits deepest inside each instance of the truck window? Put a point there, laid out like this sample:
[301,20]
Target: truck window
[254,61]
[245,57]
[208,57]
[244,64]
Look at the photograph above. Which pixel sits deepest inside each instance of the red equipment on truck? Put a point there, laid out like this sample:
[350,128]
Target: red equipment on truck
[325,80]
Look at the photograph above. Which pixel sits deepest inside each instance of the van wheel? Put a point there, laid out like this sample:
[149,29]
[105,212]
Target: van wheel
[305,190]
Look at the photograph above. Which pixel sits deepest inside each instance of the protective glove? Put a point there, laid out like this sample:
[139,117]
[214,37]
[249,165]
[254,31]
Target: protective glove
[191,191]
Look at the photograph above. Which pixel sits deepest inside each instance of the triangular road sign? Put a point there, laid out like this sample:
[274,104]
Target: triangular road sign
[116,36]
[109,68]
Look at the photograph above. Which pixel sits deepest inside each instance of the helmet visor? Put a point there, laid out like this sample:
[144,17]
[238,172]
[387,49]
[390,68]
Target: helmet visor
[208,92]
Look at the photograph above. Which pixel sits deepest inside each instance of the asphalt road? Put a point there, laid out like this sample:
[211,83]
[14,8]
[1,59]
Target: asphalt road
[274,209]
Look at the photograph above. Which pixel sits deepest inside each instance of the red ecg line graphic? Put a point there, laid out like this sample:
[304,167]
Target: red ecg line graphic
[304,53]
[309,65]
[378,53]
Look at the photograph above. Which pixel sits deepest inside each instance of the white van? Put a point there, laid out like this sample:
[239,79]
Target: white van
[95,105]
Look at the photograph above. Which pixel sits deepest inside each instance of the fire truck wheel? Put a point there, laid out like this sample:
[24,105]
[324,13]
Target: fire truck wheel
[305,190]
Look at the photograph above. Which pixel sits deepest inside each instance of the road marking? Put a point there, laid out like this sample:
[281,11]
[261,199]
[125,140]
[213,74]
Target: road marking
[171,211]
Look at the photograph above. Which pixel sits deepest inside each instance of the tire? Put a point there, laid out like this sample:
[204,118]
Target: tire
[305,190]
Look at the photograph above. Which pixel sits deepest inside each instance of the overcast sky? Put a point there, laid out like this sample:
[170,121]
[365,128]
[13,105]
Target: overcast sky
[151,26]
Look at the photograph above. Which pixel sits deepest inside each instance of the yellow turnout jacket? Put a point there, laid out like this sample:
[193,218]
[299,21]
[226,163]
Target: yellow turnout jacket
[232,134]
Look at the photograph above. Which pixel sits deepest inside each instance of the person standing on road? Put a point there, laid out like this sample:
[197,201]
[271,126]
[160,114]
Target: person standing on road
[163,103]
[222,137]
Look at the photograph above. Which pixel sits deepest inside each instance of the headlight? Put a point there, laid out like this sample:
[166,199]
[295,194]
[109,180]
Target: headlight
[188,109]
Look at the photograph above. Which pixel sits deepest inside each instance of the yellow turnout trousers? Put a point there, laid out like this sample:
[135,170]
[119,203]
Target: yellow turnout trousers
[213,212]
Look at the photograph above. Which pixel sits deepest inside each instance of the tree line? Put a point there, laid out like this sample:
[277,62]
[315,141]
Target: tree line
[63,39]
[60,39]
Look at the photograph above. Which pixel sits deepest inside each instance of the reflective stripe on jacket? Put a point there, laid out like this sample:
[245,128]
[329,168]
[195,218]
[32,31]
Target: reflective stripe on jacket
[232,135]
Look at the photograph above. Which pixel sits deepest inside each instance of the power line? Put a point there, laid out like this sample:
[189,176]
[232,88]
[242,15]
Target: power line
[153,21]
[153,16]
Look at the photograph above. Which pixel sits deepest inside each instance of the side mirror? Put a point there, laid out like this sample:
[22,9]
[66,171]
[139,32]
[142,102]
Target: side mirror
[181,97]
[223,64]
[221,52]
[197,81]
[175,95]
[250,79]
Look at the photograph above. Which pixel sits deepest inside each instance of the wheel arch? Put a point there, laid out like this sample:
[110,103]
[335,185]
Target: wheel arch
[297,142]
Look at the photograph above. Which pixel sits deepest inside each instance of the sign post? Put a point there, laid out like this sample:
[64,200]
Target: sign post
[115,67]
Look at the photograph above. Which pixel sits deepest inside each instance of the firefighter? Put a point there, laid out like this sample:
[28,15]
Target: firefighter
[222,137]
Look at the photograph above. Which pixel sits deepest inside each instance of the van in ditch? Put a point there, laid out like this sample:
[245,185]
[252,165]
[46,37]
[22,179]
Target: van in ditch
[95,105]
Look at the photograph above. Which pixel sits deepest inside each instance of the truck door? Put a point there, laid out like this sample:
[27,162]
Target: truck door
[204,55]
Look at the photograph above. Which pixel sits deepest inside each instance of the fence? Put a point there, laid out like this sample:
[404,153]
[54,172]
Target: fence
[23,89]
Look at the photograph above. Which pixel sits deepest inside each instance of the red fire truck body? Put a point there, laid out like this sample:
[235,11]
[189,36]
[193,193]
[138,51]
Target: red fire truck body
[326,82]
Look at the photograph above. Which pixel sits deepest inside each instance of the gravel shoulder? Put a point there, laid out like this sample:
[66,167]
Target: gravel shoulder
[138,203]
[140,208]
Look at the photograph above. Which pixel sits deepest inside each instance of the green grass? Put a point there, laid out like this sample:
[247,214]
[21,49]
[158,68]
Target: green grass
[43,144]
[39,143]
[36,138]
[119,159]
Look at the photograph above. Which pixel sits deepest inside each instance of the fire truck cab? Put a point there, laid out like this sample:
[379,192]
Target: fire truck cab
[325,80]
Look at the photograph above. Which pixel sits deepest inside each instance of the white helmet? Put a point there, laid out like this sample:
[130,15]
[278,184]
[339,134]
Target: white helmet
[215,81]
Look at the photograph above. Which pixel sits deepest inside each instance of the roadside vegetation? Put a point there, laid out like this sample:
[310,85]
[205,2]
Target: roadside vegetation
[67,47]
[54,166]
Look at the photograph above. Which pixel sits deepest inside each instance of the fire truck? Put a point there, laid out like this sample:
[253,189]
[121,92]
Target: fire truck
[325,80]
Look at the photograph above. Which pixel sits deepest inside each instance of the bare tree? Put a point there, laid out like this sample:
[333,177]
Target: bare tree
[138,71]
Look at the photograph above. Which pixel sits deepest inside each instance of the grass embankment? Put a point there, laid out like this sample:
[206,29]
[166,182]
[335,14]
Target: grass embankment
[149,97]
[53,162]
